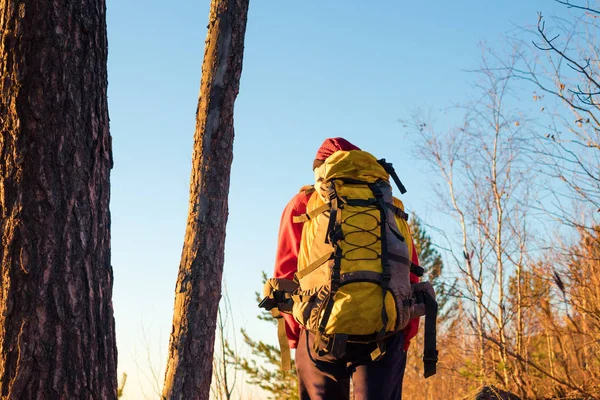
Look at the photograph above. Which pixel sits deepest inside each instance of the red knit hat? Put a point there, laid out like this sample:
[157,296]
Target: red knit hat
[330,146]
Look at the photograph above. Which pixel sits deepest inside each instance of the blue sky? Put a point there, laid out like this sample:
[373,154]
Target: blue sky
[312,69]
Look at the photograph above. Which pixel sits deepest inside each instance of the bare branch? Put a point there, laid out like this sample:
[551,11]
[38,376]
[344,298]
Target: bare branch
[571,5]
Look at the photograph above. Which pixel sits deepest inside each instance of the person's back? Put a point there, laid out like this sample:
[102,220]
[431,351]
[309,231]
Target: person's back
[348,247]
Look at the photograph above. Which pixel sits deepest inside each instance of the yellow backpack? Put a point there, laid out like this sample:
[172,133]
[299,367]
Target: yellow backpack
[353,279]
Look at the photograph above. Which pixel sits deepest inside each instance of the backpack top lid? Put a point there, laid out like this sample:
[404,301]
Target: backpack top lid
[354,164]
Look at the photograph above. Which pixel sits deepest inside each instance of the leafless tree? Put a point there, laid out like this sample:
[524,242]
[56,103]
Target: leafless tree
[563,63]
[225,371]
[485,179]
[148,361]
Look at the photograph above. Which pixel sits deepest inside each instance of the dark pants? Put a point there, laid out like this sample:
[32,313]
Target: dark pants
[324,378]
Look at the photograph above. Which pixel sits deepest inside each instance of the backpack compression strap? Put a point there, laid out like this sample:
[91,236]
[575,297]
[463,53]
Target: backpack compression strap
[398,211]
[386,274]
[337,344]
[430,353]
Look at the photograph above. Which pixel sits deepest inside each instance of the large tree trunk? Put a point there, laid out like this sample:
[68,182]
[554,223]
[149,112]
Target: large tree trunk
[57,336]
[198,290]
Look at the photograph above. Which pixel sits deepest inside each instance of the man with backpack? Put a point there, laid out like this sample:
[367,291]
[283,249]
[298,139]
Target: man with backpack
[345,280]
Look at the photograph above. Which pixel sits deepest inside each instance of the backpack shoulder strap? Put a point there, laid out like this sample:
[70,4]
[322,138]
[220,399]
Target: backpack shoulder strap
[310,215]
[302,218]
[308,189]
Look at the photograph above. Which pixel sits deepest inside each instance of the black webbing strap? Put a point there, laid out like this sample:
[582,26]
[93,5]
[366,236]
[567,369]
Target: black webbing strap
[334,345]
[335,284]
[302,273]
[430,353]
[310,215]
[332,227]
[414,268]
[417,270]
[397,258]
[360,202]
[338,345]
[396,233]
[385,273]
[393,226]
[392,172]
[398,211]
[278,300]
[408,302]
[333,234]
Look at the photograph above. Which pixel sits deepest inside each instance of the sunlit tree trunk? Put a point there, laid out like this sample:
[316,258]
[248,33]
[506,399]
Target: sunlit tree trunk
[198,289]
[57,334]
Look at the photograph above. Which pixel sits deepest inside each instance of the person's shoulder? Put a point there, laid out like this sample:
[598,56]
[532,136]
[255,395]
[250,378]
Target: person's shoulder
[301,198]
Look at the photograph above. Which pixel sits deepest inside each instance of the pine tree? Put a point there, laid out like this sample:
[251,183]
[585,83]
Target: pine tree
[431,260]
[263,368]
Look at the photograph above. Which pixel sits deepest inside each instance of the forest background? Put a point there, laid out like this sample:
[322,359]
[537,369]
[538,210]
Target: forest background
[427,86]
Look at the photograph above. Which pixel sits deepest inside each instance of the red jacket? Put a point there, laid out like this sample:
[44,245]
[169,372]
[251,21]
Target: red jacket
[286,262]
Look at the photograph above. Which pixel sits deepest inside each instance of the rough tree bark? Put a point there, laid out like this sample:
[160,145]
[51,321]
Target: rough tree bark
[198,290]
[57,336]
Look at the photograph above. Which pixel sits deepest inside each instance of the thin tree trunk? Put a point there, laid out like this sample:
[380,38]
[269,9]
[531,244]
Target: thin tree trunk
[481,340]
[57,335]
[520,325]
[198,289]
[519,372]
[498,248]
[473,282]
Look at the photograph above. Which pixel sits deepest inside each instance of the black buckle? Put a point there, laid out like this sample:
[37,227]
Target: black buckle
[417,270]
[431,358]
[279,297]
[267,303]
[386,274]
[335,235]
[379,352]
